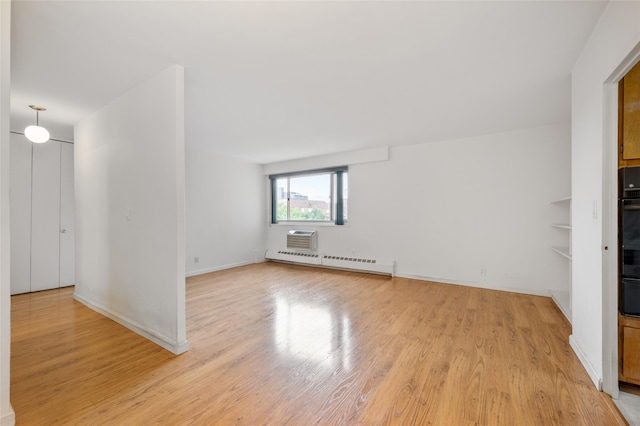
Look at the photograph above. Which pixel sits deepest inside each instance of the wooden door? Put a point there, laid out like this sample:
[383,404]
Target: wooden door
[629,349]
[629,118]
[631,354]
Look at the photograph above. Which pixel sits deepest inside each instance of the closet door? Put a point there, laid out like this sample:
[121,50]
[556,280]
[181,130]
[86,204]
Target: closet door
[45,217]
[20,184]
[67,243]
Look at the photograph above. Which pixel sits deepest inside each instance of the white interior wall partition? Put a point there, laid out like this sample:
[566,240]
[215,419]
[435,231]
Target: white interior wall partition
[7,415]
[130,210]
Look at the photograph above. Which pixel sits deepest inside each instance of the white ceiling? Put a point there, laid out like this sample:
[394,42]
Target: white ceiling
[270,81]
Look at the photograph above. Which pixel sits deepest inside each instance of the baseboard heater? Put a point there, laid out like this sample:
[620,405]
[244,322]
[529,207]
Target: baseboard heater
[374,266]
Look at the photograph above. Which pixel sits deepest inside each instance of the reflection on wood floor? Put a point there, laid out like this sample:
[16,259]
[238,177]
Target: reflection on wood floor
[289,345]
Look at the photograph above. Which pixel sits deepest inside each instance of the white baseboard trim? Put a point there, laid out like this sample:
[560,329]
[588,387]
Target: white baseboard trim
[9,418]
[563,305]
[157,338]
[475,284]
[577,349]
[221,267]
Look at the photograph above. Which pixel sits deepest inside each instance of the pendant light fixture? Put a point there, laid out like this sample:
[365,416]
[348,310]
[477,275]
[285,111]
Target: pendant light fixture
[37,134]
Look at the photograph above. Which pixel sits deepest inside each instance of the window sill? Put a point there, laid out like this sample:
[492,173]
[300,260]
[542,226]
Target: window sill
[301,224]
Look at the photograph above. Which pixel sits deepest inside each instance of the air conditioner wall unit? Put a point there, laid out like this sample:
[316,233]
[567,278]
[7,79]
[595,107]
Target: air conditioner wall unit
[305,240]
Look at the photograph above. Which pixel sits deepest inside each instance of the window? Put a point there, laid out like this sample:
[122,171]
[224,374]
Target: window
[313,195]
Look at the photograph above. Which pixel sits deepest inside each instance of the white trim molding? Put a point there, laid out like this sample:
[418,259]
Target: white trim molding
[577,349]
[9,418]
[222,267]
[176,348]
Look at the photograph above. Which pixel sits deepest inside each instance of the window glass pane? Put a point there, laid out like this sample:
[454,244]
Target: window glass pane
[281,197]
[310,197]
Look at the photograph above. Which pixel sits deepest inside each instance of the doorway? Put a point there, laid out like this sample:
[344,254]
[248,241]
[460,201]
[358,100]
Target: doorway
[610,252]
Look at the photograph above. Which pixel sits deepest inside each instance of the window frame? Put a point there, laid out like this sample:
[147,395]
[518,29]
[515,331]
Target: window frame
[336,180]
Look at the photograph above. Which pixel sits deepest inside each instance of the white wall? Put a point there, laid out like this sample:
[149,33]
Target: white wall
[129,183]
[445,210]
[225,219]
[7,416]
[615,36]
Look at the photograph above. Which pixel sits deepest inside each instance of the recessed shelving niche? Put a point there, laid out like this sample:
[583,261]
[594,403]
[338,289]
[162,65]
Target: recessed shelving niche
[562,222]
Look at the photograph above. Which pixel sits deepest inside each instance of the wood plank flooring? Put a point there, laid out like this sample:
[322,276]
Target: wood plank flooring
[288,345]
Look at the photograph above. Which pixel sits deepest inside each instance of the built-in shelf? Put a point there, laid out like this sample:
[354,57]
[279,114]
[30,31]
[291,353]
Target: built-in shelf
[564,251]
[562,214]
[562,200]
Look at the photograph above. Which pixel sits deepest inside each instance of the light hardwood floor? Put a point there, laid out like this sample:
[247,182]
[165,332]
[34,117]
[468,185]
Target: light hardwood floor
[288,345]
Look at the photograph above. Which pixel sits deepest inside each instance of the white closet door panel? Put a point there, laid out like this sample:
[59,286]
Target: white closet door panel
[45,217]
[67,243]
[20,189]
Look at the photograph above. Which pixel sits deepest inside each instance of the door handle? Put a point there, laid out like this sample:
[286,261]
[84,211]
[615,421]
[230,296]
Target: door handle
[63,231]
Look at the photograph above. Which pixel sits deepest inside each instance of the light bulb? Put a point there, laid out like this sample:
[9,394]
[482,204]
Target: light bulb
[36,134]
